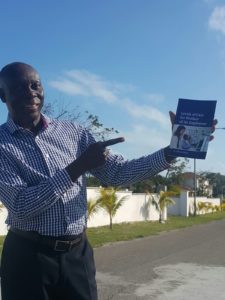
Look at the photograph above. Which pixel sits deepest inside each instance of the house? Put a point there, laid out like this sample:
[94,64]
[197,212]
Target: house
[203,187]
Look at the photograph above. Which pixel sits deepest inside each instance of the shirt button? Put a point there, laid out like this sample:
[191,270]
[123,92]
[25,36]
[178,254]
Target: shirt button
[47,155]
[67,218]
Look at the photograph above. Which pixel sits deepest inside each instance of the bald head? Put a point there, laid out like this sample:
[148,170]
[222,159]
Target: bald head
[13,70]
[22,92]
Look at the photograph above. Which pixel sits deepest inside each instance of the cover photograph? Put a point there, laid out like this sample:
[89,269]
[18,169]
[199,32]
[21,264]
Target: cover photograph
[192,128]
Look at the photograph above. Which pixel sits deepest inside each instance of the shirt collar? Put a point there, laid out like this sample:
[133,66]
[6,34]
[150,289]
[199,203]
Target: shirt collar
[13,127]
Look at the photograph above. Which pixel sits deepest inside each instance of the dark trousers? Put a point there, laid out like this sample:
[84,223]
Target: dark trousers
[32,272]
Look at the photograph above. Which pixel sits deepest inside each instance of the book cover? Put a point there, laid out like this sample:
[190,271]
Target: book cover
[192,128]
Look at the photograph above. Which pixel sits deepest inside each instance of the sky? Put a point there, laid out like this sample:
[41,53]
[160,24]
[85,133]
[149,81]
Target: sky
[128,62]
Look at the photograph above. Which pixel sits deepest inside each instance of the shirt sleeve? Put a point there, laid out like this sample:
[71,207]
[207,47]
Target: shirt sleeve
[118,172]
[25,201]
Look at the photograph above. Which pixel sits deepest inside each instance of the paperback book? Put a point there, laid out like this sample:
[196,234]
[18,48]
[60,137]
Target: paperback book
[192,128]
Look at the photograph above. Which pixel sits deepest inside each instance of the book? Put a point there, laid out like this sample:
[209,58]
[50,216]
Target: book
[192,128]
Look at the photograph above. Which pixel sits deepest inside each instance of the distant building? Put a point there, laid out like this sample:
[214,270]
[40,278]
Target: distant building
[203,187]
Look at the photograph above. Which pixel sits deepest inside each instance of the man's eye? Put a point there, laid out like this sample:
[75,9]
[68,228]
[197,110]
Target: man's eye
[35,85]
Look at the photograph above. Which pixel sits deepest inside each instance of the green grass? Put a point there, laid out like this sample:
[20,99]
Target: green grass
[127,231]
[99,236]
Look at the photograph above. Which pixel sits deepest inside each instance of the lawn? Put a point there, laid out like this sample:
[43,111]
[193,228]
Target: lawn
[127,231]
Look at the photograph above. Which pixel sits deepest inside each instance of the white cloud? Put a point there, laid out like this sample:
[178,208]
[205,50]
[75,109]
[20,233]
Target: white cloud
[81,82]
[69,87]
[142,140]
[95,84]
[145,111]
[217,19]
[84,83]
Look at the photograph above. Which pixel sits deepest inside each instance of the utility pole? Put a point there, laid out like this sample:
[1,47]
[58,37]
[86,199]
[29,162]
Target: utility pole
[195,187]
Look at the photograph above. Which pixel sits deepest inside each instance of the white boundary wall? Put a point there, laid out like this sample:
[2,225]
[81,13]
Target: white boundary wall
[134,208]
[3,216]
[184,205]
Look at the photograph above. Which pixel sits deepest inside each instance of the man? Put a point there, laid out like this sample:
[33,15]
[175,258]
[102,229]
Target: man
[46,254]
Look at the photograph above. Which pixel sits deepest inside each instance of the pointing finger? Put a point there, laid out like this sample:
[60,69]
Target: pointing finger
[112,142]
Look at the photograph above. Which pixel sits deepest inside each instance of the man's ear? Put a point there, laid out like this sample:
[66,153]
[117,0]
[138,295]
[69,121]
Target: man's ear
[2,95]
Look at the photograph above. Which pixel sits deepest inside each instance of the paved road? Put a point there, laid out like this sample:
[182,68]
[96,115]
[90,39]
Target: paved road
[179,265]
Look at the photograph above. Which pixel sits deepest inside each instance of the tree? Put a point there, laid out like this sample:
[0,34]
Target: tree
[217,181]
[164,200]
[175,171]
[90,121]
[110,202]
[93,181]
[93,207]
[152,185]
[205,207]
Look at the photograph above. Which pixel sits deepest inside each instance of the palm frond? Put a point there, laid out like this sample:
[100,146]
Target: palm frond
[93,207]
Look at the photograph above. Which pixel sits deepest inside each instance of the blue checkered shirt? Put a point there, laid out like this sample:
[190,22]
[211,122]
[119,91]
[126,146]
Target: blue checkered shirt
[37,190]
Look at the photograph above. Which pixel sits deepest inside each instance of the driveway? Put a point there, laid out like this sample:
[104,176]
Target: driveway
[178,265]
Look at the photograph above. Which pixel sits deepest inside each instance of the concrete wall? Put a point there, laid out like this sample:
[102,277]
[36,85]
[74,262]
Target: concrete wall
[3,216]
[135,208]
[185,205]
[213,201]
[174,209]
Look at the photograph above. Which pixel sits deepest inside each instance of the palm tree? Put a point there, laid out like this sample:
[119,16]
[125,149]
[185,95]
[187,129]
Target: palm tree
[164,200]
[201,207]
[93,207]
[109,201]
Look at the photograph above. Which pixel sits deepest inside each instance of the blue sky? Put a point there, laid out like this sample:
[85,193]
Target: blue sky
[126,61]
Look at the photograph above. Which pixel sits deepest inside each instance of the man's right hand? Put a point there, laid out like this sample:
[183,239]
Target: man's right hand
[94,156]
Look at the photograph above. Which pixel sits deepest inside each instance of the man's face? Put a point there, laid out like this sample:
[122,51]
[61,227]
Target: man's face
[23,95]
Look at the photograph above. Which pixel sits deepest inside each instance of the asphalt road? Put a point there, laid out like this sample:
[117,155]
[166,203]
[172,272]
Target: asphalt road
[179,265]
